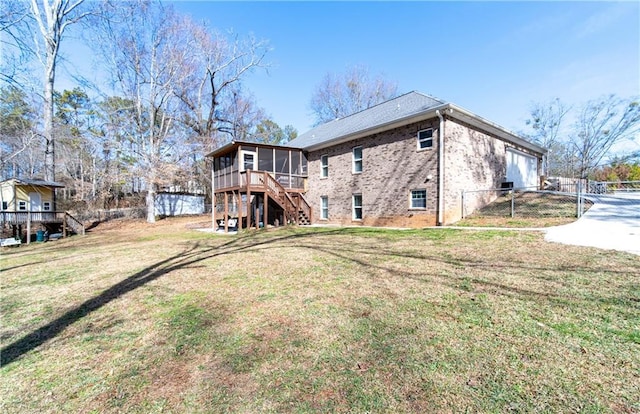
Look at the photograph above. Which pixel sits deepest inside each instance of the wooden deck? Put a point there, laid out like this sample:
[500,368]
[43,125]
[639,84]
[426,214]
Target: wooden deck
[294,206]
[22,217]
[31,218]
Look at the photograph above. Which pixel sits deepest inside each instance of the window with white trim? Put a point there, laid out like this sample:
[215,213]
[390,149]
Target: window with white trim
[5,205]
[324,166]
[418,199]
[425,138]
[357,206]
[324,208]
[46,206]
[357,160]
[22,205]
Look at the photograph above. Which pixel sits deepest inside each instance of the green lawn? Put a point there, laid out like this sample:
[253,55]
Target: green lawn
[135,318]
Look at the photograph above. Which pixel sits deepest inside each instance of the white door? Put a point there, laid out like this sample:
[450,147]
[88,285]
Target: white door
[247,160]
[522,169]
[35,202]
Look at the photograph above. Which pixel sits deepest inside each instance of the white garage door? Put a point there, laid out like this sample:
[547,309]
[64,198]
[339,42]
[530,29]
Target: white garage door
[522,169]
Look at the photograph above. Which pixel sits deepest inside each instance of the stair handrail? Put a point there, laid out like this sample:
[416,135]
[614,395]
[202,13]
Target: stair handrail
[303,205]
[284,198]
[74,223]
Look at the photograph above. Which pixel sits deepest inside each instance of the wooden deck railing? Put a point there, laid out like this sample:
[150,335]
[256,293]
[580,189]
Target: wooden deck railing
[22,217]
[42,217]
[292,202]
[72,222]
[302,204]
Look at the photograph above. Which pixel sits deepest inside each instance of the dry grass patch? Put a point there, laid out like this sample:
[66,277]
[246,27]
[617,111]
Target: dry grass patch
[137,318]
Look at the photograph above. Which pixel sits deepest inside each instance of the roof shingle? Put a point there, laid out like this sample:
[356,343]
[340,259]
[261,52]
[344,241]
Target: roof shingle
[403,106]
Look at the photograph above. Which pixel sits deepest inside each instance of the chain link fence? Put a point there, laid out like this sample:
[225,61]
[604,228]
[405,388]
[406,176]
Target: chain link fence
[612,187]
[559,198]
[526,202]
[100,215]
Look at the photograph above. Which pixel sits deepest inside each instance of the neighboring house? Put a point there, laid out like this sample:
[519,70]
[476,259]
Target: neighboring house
[28,195]
[406,162]
[28,202]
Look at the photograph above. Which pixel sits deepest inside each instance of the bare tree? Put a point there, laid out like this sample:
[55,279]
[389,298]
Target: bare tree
[547,122]
[52,18]
[214,65]
[338,96]
[115,118]
[600,125]
[14,41]
[143,48]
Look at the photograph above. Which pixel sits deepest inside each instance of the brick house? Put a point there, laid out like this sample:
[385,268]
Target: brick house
[405,162]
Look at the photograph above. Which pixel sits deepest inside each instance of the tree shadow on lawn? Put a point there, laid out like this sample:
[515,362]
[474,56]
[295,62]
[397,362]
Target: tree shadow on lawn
[197,253]
[359,256]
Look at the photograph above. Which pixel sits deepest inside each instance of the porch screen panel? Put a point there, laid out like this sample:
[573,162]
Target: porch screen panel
[282,168]
[296,166]
[233,170]
[297,171]
[224,171]
[265,159]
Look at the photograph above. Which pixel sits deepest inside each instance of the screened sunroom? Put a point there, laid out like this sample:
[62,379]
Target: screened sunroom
[258,185]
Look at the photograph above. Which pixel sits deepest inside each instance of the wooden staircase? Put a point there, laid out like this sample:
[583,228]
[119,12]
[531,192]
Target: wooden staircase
[296,208]
[72,224]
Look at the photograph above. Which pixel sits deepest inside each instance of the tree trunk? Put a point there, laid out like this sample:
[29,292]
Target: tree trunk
[49,153]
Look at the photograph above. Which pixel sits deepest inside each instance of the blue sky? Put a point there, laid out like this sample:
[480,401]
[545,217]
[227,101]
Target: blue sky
[492,58]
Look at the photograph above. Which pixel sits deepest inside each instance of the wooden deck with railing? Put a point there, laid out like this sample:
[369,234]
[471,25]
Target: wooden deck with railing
[295,206]
[29,218]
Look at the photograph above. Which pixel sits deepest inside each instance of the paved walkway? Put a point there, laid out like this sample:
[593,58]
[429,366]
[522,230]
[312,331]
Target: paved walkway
[613,222]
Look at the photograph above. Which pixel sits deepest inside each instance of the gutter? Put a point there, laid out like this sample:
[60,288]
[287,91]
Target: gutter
[440,219]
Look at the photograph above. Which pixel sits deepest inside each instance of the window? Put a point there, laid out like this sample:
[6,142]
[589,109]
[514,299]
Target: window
[248,158]
[5,205]
[324,208]
[22,205]
[425,138]
[324,166]
[419,199]
[357,160]
[46,206]
[357,206]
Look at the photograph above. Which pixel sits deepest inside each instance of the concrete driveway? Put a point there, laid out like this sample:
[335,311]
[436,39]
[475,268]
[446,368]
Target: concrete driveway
[613,222]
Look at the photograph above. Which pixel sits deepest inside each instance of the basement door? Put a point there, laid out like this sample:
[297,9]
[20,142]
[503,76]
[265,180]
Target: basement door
[522,169]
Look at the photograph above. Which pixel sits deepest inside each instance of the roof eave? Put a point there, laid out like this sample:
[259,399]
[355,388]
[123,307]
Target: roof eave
[234,144]
[34,183]
[493,128]
[223,149]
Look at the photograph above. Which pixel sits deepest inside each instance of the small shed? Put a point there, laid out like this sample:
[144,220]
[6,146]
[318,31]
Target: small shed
[31,204]
[19,194]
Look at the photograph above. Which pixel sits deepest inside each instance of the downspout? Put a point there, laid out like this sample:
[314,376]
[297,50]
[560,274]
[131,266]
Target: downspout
[440,219]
